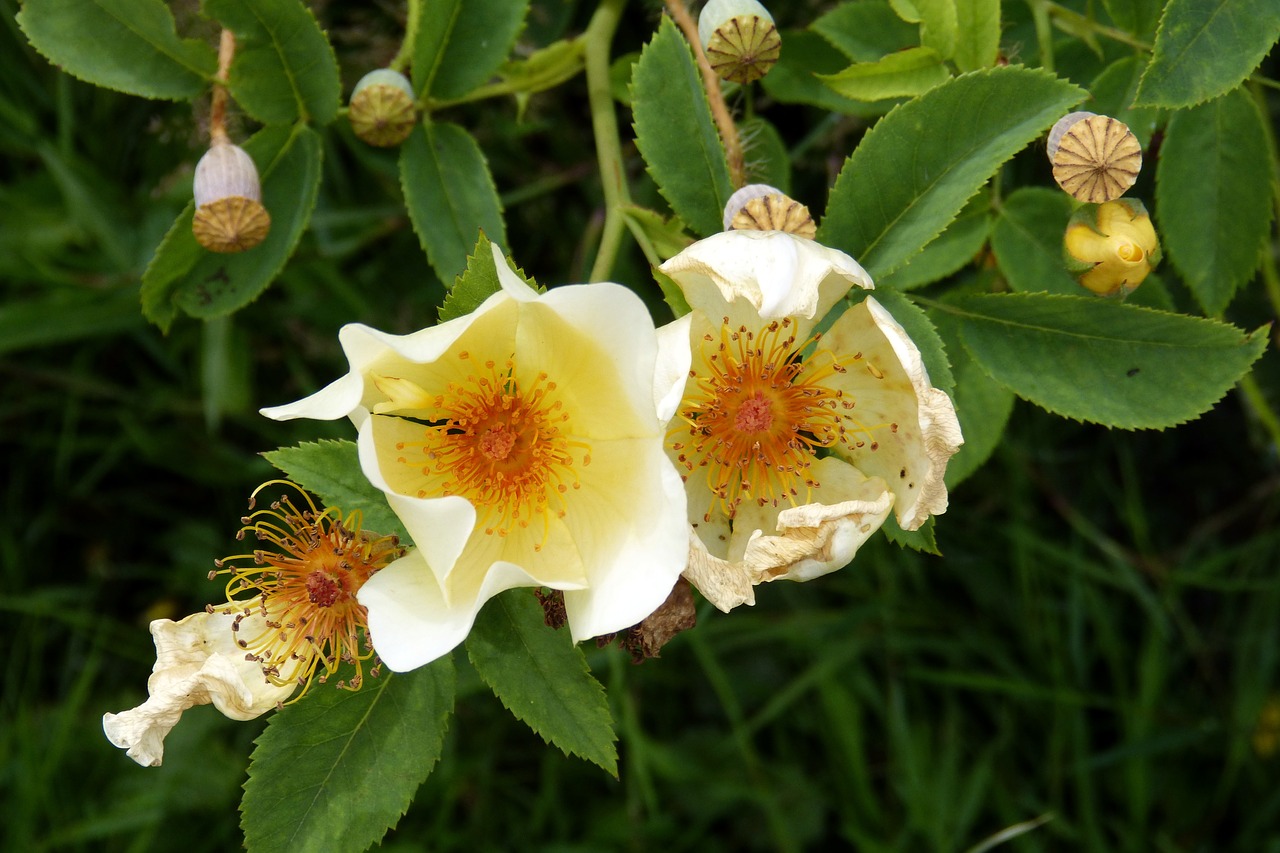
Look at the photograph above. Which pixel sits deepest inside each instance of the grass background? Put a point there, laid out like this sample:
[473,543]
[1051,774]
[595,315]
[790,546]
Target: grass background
[1094,655]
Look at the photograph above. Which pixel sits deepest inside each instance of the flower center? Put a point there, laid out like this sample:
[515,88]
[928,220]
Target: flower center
[501,445]
[304,584]
[757,414]
[1129,252]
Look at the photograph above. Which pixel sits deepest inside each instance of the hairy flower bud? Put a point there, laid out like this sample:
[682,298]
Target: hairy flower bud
[1111,247]
[740,39]
[1095,158]
[229,213]
[382,110]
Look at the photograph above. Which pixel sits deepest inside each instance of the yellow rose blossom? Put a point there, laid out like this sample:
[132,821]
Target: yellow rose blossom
[521,445]
[1112,246]
[795,446]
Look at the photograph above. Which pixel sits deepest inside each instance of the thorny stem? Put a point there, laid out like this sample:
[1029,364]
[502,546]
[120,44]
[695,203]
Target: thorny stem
[604,123]
[711,82]
[218,103]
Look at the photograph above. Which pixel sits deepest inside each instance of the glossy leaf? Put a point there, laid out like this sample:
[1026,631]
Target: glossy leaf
[915,170]
[675,132]
[337,769]
[183,275]
[794,79]
[1103,361]
[1213,195]
[477,283]
[865,31]
[939,25]
[903,74]
[1204,48]
[284,69]
[450,195]
[1027,240]
[460,44]
[331,470]
[952,250]
[977,34]
[542,678]
[128,45]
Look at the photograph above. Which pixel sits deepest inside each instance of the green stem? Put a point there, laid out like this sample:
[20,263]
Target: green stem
[613,179]
[405,54]
[1083,22]
[1044,32]
[1261,408]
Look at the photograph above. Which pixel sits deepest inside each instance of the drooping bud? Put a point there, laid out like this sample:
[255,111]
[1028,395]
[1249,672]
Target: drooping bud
[1112,247]
[229,213]
[740,39]
[760,207]
[382,110]
[1095,158]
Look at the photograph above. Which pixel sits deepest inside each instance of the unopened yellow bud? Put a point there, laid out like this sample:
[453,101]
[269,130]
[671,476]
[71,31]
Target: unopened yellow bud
[1111,246]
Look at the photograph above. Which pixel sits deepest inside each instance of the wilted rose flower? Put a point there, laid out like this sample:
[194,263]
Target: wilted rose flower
[794,445]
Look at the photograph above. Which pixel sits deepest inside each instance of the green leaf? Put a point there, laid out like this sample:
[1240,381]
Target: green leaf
[676,134]
[477,283]
[1213,193]
[793,80]
[128,45]
[450,195]
[922,539]
[331,470]
[284,69]
[939,25]
[1138,17]
[1113,92]
[1103,361]
[903,74]
[865,31]
[542,678]
[914,171]
[337,769]
[461,43]
[1027,240]
[952,250]
[977,34]
[207,284]
[667,236]
[1205,48]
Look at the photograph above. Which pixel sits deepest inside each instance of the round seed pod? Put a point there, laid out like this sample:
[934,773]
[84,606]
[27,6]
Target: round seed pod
[760,207]
[229,213]
[740,39]
[382,111]
[1095,158]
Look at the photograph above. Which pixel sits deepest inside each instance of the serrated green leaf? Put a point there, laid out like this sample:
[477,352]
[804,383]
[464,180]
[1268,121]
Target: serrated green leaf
[977,34]
[337,769]
[982,405]
[182,275]
[284,69]
[906,73]
[128,45]
[1205,48]
[952,250]
[331,470]
[477,283]
[1106,362]
[675,132]
[1213,194]
[1138,17]
[1027,240]
[450,195]
[919,328]
[1113,92]
[922,539]
[939,25]
[542,678]
[865,31]
[460,44]
[915,170]
[793,80]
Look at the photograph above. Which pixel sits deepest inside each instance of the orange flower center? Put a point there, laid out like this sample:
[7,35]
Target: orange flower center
[304,584]
[502,446]
[757,414]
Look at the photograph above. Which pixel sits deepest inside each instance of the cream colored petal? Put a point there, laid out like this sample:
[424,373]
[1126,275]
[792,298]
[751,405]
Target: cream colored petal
[628,522]
[822,536]
[674,355]
[906,429]
[197,663]
[725,584]
[764,275]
